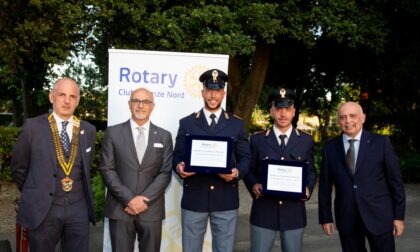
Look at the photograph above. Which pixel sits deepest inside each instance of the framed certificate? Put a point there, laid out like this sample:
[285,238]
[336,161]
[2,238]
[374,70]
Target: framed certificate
[208,154]
[284,179]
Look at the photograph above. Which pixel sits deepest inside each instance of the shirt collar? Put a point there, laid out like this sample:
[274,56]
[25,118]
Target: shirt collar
[58,119]
[347,137]
[208,113]
[134,125]
[277,132]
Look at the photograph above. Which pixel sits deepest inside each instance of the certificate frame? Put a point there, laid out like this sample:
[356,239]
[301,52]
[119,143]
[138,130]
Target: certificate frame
[223,140]
[297,168]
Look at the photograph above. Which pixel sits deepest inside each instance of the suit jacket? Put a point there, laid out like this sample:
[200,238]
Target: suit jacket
[273,213]
[376,190]
[126,178]
[209,192]
[34,169]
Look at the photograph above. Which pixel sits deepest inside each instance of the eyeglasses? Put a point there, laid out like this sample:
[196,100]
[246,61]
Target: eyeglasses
[138,102]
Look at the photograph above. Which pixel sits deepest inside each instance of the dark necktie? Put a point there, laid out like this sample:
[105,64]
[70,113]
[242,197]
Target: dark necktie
[350,157]
[213,121]
[64,137]
[283,143]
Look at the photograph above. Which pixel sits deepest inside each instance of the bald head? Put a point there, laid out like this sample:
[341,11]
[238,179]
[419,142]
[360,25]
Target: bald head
[65,97]
[141,105]
[351,118]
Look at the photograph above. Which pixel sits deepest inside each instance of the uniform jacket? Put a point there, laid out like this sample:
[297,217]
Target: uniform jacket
[209,192]
[126,178]
[34,169]
[276,213]
[376,190]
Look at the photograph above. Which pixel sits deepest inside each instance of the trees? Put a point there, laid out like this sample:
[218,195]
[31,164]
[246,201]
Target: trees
[34,35]
[251,32]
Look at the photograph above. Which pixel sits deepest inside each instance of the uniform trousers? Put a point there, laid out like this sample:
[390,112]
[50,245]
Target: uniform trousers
[262,239]
[223,229]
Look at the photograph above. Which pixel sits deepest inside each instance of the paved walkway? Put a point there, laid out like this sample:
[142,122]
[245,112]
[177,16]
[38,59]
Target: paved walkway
[314,239]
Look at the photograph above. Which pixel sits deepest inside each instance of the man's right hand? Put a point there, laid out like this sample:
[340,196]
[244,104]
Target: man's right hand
[180,168]
[137,205]
[328,228]
[257,189]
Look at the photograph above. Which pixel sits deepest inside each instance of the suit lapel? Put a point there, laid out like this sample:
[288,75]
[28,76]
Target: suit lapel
[127,137]
[339,147]
[50,142]
[82,144]
[202,122]
[272,141]
[365,140]
[293,140]
[151,140]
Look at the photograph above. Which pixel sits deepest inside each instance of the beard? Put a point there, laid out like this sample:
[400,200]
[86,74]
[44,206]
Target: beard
[214,108]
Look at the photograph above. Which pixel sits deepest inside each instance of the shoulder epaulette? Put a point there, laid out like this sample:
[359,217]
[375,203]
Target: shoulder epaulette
[298,132]
[197,115]
[237,117]
[226,115]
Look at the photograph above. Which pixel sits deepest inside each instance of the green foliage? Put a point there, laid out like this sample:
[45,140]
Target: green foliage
[98,196]
[260,120]
[410,166]
[8,137]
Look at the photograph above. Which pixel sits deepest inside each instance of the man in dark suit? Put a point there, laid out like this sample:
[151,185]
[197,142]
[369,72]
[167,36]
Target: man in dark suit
[369,191]
[281,142]
[211,196]
[136,167]
[51,167]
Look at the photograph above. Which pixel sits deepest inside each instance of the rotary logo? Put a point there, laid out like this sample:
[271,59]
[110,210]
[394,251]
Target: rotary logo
[191,83]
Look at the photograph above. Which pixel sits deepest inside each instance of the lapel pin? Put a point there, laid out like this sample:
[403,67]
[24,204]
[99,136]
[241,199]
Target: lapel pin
[82,132]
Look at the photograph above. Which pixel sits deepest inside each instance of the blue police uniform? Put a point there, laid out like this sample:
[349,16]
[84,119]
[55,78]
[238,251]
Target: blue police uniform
[279,214]
[208,193]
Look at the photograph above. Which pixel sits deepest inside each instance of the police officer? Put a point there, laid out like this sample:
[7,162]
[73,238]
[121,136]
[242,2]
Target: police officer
[281,142]
[211,196]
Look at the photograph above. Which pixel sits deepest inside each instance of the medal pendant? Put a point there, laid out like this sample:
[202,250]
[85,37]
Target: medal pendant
[67,184]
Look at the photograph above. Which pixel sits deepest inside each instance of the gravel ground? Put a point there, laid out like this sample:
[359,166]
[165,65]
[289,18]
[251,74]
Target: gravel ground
[8,197]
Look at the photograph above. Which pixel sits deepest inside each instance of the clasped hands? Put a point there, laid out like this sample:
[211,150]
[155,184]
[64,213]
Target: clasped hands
[227,177]
[137,205]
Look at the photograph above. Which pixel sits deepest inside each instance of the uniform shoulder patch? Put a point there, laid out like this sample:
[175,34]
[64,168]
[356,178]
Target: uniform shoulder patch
[237,117]
[298,132]
[197,114]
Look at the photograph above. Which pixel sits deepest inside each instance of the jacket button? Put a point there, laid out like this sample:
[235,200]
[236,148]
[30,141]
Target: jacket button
[280,202]
[55,175]
[51,194]
[211,187]
[355,186]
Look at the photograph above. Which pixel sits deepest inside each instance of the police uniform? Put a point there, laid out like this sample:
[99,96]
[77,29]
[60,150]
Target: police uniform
[208,195]
[269,215]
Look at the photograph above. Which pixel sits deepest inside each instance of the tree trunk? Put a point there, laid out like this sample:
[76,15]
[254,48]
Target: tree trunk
[243,95]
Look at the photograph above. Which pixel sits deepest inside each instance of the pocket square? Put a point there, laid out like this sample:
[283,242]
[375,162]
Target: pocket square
[88,149]
[158,145]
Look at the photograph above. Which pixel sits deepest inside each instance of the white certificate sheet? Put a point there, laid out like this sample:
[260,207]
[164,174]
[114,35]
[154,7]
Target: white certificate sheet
[209,153]
[284,178]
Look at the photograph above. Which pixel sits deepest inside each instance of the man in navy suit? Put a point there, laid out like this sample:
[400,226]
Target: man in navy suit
[281,142]
[211,196]
[51,167]
[369,190]
[136,164]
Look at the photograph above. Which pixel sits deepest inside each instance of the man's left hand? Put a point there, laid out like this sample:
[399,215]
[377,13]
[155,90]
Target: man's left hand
[398,227]
[229,177]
